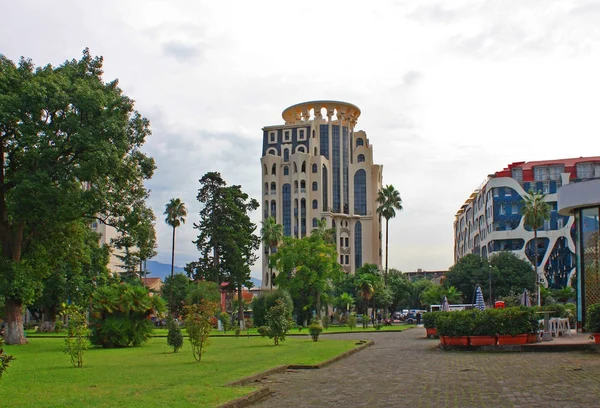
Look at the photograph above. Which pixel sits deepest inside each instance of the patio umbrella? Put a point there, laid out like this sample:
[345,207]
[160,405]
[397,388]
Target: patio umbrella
[525,301]
[479,298]
[445,305]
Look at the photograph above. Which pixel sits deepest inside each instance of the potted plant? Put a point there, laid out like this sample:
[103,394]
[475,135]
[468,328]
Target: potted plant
[513,326]
[429,323]
[455,327]
[484,328]
[592,321]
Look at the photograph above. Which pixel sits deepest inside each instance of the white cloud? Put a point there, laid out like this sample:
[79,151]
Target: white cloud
[449,91]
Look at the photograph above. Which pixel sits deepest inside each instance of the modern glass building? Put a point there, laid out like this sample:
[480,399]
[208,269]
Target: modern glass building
[490,220]
[582,202]
[315,167]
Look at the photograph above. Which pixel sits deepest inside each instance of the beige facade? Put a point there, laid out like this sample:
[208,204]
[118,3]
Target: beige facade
[108,233]
[317,167]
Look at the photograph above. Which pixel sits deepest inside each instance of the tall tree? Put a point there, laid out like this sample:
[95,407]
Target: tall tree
[308,268]
[70,148]
[365,285]
[535,210]
[175,212]
[272,234]
[226,239]
[389,201]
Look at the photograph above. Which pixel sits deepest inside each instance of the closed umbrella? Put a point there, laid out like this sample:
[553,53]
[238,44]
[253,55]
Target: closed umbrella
[525,300]
[479,304]
[445,305]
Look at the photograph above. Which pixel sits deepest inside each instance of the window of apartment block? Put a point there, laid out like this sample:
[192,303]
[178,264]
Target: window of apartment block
[301,134]
[556,171]
[346,242]
[314,186]
[347,259]
[585,170]
[287,136]
[517,174]
[272,137]
[541,173]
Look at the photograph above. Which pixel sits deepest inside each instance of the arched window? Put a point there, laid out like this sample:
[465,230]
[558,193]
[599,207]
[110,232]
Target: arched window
[360,192]
[274,169]
[267,279]
[315,204]
[295,186]
[265,167]
[360,158]
[287,209]
[324,188]
[359,142]
[274,209]
[272,151]
[303,186]
[315,223]
[286,171]
[316,151]
[301,149]
[266,210]
[315,186]
[266,188]
[303,168]
[314,168]
[286,155]
[313,133]
[357,245]
[273,188]
[295,168]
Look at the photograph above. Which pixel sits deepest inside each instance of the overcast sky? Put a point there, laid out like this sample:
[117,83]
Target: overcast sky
[450,91]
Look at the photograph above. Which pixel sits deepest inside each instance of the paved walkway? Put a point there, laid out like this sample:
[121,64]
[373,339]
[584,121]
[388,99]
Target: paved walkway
[406,370]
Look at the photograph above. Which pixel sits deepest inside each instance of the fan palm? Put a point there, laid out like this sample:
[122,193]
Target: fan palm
[272,234]
[535,210]
[389,201]
[366,290]
[175,212]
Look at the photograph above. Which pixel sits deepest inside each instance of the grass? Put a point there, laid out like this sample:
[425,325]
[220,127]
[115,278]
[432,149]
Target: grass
[151,375]
[253,332]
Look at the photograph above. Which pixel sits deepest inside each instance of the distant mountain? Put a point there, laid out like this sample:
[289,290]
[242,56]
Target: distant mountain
[161,270]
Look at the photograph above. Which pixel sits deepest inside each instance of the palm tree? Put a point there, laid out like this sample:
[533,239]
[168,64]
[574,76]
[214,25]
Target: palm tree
[328,234]
[389,201]
[535,210]
[175,212]
[364,284]
[345,300]
[272,234]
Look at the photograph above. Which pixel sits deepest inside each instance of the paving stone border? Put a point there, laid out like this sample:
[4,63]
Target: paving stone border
[263,392]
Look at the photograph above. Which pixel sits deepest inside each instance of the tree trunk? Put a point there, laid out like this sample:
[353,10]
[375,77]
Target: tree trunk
[172,269]
[49,320]
[386,251]
[535,268]
[318,305]
[13,332]
[241,321]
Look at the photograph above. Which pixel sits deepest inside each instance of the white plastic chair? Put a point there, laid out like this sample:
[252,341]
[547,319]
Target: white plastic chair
[554,326]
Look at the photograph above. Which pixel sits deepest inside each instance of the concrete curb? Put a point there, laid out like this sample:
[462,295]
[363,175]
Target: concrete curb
[263,392]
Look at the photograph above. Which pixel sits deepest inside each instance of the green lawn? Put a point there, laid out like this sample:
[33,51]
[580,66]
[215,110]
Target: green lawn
[151,375]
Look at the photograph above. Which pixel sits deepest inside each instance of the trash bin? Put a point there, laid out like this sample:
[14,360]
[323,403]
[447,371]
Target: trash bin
[499,304]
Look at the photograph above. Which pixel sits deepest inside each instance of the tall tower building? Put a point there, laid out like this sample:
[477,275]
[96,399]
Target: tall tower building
[315,167]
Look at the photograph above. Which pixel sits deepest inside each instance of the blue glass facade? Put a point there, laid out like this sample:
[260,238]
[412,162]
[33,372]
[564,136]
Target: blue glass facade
[324,187]
[357,245]
[324,138]
[286,200]
[345,167]
[360,192]
[335,162]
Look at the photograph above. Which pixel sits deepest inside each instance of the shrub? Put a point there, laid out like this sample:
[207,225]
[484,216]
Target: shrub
[300,327]
[592,321]
[174,336]
[120,315]
[5,359]
[352,320]
[513,321]
[237,331]
[485,322]
[378,326]
[459,323]
[58,326]
[262,304]
[77,340]
[198,325]
[225,320]
[248,325]
[325,322]
[429,319]
[279,321]
[315,329]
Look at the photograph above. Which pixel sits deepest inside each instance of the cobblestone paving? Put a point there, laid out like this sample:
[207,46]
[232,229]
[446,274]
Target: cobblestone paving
[406,370]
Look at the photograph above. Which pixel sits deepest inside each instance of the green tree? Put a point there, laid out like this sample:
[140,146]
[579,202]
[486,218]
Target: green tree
[563,295]
[400,287]
[77,341]
[198,325]
[175,212]
[261,305]
[345,302]
[535,210]
[308,268]
[418,287]
[203,291]
[365,286]
[278,322]
[70,148]
[389,201]
[174,336]
[272,234]
[5,359]
[175,290]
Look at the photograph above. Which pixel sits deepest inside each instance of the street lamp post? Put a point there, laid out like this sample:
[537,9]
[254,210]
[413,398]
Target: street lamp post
[490,281]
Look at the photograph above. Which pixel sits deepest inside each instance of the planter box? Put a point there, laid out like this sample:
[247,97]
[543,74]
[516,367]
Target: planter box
[533,338]
[457,341]
[482,340]
[443,340]
[507,339]
[431,332]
